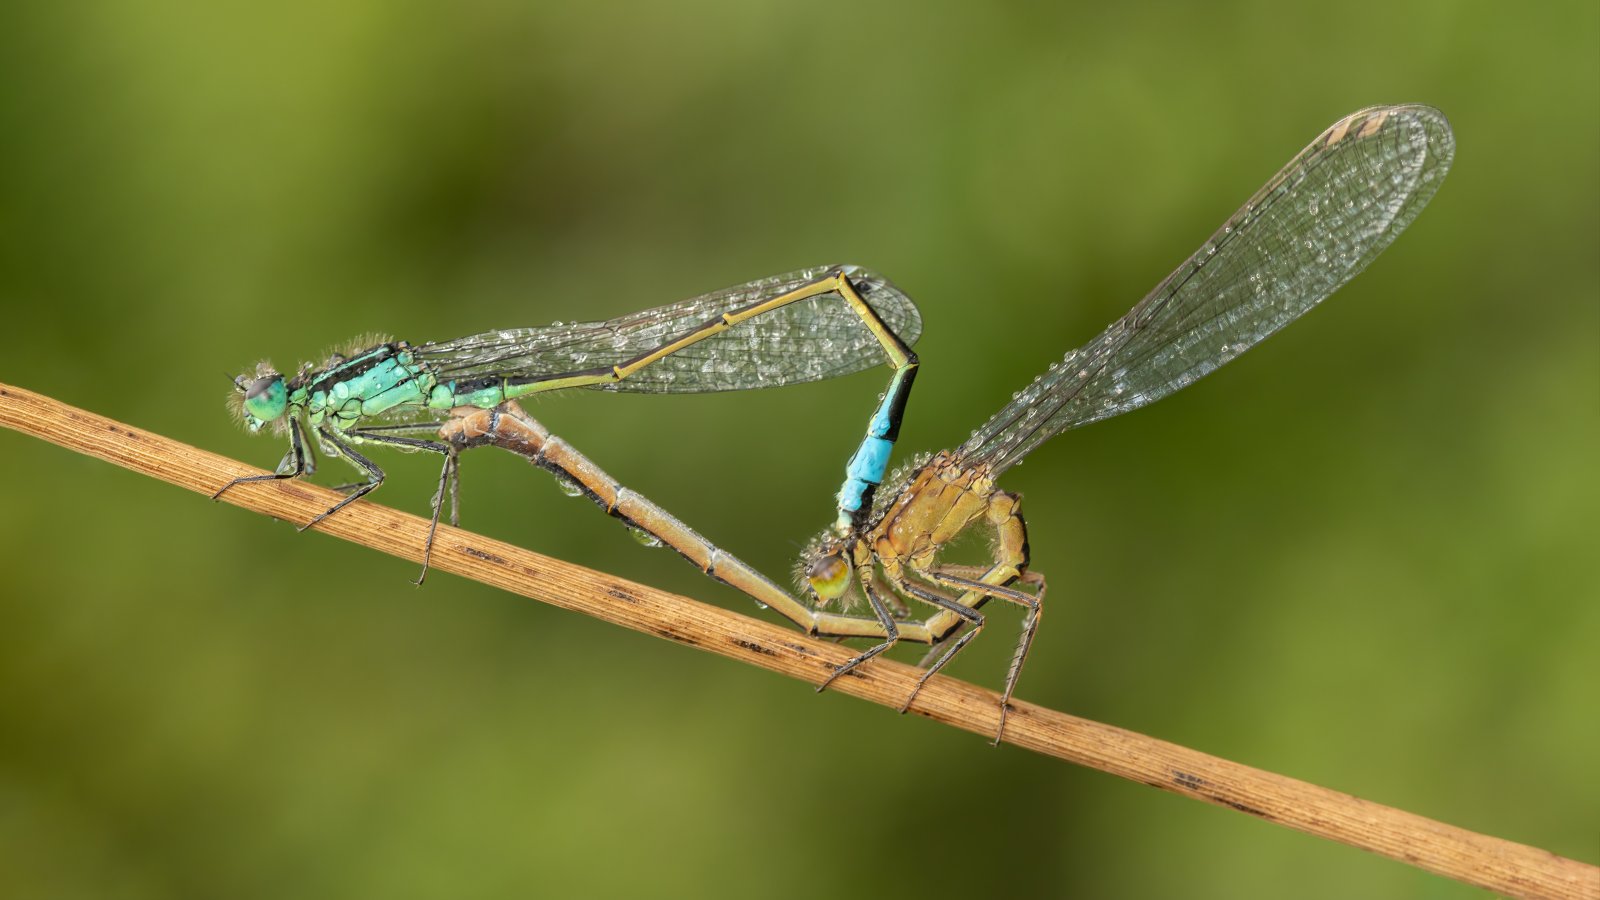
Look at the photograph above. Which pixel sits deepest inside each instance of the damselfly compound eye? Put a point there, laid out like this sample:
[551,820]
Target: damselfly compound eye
[828,576]
[266,398]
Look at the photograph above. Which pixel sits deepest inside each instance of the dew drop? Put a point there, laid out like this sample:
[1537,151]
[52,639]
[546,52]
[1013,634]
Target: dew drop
[645,538]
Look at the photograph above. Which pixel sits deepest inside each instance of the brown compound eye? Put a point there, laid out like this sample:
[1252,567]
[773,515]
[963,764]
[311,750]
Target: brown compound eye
[829,576]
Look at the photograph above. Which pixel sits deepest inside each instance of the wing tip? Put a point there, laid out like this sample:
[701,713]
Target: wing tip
[1437,134]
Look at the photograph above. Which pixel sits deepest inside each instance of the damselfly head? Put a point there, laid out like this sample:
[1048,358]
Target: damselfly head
[260,400]
[827,574]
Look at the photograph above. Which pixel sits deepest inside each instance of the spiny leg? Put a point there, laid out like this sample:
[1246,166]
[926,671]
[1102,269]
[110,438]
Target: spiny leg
[891,632]
[450,475]
[398,428]
[964,571]
[296,454]
[1037,581]
[969,616]
[447,476]
[937,647]
[391,434]
[968,572]
[1033,603]
[375,476]
[455,492]
[377,433]
[1010,564]
[891,599]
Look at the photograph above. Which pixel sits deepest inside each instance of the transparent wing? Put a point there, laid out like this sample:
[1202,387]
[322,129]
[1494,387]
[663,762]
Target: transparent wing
[1312,228]
[809,340]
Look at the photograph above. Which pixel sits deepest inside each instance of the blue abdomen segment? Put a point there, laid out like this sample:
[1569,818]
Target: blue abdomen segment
[871,460]
[865,472]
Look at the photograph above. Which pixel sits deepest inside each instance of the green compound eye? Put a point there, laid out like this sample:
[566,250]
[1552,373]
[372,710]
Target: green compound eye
[264,400]
[829,576]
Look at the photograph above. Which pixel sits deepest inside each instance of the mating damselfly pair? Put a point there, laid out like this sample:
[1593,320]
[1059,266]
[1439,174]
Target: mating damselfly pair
[1311,228]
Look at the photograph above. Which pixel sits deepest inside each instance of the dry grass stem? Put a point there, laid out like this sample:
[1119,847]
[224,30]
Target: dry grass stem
[1477,859]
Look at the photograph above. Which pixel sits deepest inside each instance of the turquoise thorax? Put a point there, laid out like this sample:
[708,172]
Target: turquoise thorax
[376,382]
[381,380]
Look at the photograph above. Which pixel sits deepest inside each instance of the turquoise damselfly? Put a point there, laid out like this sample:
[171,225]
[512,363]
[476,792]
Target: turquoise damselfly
[805,326]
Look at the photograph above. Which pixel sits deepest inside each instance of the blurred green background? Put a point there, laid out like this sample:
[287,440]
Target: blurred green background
[1365,555]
